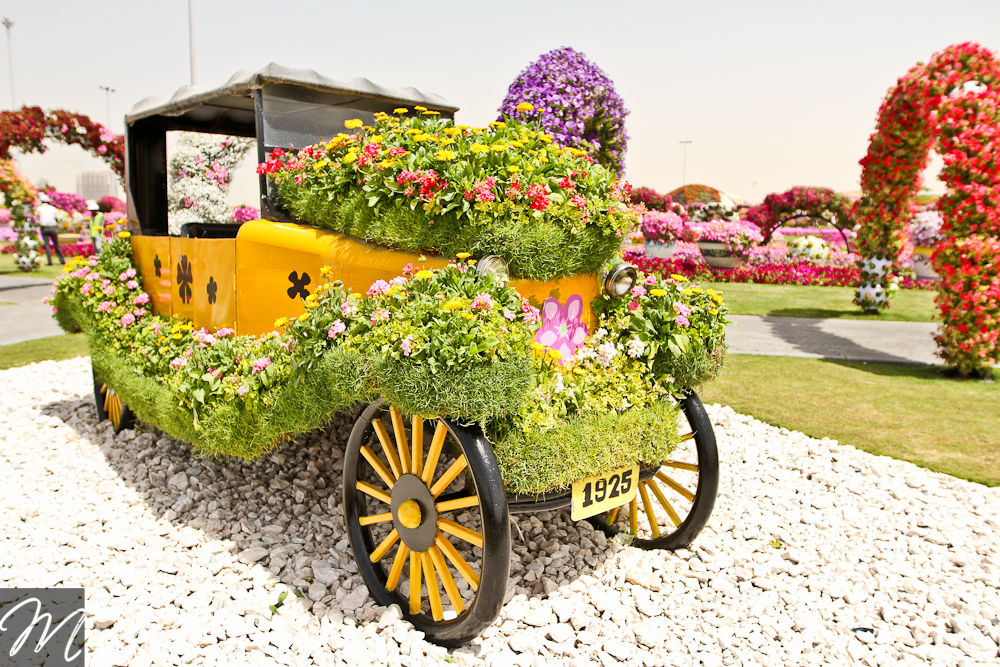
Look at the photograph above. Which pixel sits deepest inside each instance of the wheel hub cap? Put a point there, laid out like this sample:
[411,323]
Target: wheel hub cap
[413,513]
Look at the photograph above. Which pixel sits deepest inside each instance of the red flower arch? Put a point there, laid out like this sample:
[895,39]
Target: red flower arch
[952,104]
[28,128]
[822,204]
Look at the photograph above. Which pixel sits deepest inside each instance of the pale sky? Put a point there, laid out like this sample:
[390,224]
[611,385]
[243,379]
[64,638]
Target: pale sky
[771,93]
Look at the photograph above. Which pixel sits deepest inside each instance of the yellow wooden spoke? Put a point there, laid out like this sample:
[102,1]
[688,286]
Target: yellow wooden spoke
[693,467]
[666,504]
[457,503]
[387,447]
[449,476]
[418,445]
[377,494]
[414,582]
[633,517]
[433,594]
[387,543]
[461,532]
[377,464]
[375,518]
[612,515]
[440,433]
[646,505]
[456,559]
[446,580]
[675,486]
[404,447]
[397,567]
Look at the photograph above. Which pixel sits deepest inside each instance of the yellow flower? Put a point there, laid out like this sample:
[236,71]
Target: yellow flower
[546,138]
[401,110]
[123,235]
[431,113]
[326,271]
[467,316]
[453,304]
[445,155]
[303,317]
[425,274]
[422,258]
[423,137]
[280,322]
[350,157]
[311,305]
[714,311]
[529,168]
[479,148]
[353,123]
[377,139]
[463,127]
[555,354]
[452,131]
[446,142]
[472,262]
[498,147]
[463,255]
[679,278]
[525,106]
[311,298]
[420,108]
[657,292]
[513,168]
[319,165]
[499,125]
[177,336]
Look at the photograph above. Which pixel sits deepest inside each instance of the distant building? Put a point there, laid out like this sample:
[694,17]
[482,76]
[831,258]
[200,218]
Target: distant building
[96,184]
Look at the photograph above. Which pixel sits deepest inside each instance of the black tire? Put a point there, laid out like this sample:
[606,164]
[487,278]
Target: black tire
[695,511]
[111,407]
[475,598]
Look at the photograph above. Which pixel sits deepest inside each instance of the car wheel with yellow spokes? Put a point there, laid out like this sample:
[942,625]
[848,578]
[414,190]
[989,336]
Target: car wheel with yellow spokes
[675,499]
[111,407]
[427,520]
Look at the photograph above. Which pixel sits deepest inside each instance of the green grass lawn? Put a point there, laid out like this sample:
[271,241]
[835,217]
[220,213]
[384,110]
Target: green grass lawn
[8,268]
[811,301]
[56,348]
[906,412]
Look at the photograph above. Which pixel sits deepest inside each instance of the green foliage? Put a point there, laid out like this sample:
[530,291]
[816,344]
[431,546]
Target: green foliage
[536,461]
[423,185]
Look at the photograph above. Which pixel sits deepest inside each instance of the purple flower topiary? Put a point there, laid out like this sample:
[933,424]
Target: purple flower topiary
[575,102]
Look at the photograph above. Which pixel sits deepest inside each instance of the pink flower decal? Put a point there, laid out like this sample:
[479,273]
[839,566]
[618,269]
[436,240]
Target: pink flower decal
[562,329]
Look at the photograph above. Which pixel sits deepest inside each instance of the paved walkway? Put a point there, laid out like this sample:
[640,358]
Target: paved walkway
[27,317]
[853,340]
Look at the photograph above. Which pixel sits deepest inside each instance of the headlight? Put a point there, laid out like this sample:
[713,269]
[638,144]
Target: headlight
[493,265]
[620,280]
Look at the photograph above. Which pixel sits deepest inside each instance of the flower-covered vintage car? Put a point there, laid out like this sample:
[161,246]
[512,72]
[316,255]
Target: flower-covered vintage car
[461,288]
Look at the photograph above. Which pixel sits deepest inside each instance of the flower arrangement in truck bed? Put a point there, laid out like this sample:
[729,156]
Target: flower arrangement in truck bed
[425,185]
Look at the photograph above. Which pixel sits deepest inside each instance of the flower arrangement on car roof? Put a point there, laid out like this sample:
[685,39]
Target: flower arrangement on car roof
[422,184]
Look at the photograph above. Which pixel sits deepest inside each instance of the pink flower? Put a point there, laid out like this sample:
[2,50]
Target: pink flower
[105,306]
[139,312]
[102,149]
[563,329]
[125,275]
[109,290]
[380,315]
[681,320]
[298,179]
[141,300]
[406,345]
[398,280]
[225,331]
[128,319]
[638,291]
[338,328]
[132,284]
[347,309]
[482,302]
[683,312]
[633,305]
[178,362]
[531,315]
[579,201]
[93,276]
[242,390]
[509,315]
[378,287]
[156,327]
[649,280]
[85,290]
[261,364]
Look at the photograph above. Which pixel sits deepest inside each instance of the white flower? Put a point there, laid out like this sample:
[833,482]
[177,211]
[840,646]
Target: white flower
[636,347]
[606,354]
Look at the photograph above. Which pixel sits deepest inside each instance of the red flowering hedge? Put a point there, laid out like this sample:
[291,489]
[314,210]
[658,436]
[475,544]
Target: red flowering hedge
[951,102]
[802,202]
[28,128]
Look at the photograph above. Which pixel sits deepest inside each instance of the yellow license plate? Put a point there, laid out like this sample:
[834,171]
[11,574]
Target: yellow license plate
[603,493]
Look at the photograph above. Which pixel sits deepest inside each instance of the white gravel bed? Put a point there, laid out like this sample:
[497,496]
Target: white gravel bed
[816,554]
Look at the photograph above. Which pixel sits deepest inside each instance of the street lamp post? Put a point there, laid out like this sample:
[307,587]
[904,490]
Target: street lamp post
[194,79]
[107,101]
[7,23]
[685,167]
